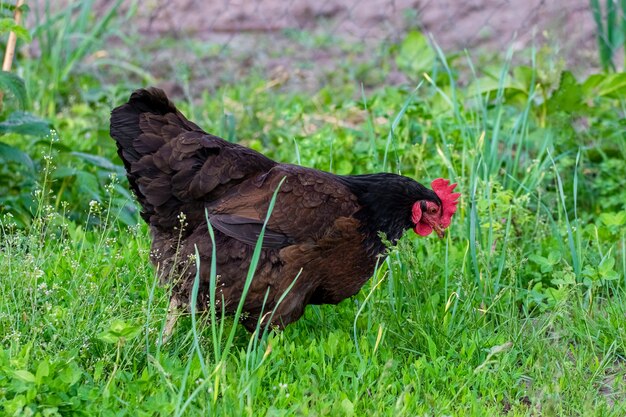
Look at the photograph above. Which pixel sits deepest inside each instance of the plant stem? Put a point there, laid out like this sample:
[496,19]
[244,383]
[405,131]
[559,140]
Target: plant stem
[10,51]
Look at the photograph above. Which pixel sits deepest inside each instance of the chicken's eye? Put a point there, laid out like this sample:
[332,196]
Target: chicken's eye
[432,210]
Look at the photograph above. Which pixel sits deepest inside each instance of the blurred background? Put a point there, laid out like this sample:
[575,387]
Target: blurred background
[303,42]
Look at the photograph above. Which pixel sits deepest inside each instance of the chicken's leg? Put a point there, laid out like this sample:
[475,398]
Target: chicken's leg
[172,316]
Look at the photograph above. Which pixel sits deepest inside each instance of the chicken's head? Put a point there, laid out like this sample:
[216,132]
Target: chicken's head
[430,215]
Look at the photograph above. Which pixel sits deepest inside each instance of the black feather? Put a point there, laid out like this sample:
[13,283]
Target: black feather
[386,205]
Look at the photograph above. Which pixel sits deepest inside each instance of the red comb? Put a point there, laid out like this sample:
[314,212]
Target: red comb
[448,199]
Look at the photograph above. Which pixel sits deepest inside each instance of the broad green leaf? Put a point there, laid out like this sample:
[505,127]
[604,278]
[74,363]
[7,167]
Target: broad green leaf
[9,153]
[538,259]
[567,98]
[555,295]
[24,375]
[98,370]
[88,184]
[43,370]
[590,274]
[25,124]
[554,257]
[107,337]
[523,76]
[71,374]
[8,25]
[491,84]
[118,331]
[99,161]
[432,348]
[11,83]
[606,267]
[605,85]
[12,7]
[416,55]
[564,278]
[64,172]
[614,219]
[544,263]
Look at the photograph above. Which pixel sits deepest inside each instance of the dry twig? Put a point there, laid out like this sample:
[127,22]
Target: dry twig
[10,51]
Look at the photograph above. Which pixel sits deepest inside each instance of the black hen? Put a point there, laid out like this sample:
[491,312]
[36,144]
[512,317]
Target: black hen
[324,228]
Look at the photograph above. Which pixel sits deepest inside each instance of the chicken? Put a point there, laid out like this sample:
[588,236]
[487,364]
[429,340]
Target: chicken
[323,232]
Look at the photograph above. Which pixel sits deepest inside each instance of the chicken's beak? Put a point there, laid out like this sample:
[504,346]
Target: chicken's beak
[439,230]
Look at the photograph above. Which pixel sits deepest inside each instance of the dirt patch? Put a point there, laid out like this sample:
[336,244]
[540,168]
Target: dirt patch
[453,24]
[309,38]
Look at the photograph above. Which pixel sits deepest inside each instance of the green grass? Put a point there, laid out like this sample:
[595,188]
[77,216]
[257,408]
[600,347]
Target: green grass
[519,311]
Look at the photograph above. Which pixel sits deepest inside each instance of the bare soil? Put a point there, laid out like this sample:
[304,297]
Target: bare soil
[304,40]
[453,24]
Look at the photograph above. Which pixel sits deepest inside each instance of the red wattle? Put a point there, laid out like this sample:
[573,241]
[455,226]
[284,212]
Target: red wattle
[423,229]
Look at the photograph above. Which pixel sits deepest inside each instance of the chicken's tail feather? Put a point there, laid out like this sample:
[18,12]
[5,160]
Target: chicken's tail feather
[141,127]
[129,121]
[172,165]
